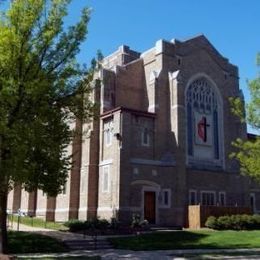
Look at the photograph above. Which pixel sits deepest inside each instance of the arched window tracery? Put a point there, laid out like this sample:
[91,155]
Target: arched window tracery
[202,108]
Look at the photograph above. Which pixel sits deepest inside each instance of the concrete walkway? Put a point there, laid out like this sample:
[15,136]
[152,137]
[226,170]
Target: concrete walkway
[135,255]
[111,254]
[60,235]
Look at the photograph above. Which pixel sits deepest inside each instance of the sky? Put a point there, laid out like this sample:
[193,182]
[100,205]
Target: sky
[232,26]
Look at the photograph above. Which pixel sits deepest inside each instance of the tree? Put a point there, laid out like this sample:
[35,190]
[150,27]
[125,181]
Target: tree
[248,151]
[42,88]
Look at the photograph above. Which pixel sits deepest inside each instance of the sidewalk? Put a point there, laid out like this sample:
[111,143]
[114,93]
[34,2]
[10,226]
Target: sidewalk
[111,254]
[60,235]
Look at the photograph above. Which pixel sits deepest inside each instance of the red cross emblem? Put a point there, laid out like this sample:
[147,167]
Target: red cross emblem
[202,129]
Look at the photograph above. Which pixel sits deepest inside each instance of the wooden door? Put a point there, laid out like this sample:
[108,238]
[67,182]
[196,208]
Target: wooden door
[150,206]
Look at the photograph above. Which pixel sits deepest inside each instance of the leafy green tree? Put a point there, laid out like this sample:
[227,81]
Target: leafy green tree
[248,151]
[42,88]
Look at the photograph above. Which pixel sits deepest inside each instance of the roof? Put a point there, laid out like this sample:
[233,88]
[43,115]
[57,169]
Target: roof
[130,110]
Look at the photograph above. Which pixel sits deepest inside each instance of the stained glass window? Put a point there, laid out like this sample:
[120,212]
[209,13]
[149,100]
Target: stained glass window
[201,98]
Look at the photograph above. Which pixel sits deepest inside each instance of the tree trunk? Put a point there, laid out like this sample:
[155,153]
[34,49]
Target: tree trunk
[3,227]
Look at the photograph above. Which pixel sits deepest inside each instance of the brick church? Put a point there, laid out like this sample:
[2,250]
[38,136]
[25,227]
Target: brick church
[161,143]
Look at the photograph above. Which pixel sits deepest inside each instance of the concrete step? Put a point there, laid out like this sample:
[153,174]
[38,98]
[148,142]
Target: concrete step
[171,228]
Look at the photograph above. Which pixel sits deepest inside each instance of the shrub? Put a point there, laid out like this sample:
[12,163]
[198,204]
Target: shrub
[234,222]
[75,225]
[100,224]
[114,223]
[256,221]
[138,223]
[136,219]
[211,222]
[224,223]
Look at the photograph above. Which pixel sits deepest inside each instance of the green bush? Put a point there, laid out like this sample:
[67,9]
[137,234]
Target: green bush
[256,221]
[75,225]
[224,223]
[234,222]
[100,224]
[211,222]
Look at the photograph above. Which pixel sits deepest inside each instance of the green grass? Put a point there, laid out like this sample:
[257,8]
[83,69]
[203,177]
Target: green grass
[25,242]
[190,240]
[36,222]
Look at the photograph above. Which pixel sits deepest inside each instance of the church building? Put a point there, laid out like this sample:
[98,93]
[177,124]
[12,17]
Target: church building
[162,141]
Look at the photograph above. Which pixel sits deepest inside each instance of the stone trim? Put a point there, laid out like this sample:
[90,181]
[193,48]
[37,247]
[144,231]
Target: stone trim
[152,162]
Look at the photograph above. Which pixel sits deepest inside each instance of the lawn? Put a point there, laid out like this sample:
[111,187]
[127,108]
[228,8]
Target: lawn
[36,222]
[25,242]
[190,240]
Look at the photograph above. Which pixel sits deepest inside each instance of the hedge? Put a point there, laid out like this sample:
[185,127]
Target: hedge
[75,225]
[234,222]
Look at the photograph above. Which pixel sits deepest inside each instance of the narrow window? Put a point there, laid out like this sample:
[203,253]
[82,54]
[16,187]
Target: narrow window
[192,197]
[222,198]
[108,139]
[145,137]
[105,179]
[108,132]
[166,198]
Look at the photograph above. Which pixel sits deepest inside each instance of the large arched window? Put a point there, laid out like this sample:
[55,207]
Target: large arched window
[203,130]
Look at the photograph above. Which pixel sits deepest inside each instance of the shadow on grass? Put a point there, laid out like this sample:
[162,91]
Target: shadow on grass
[160,241]
[25,242]
[183,240]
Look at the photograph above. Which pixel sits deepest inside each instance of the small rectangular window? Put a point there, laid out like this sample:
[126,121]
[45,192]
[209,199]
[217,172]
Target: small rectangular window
[108,137]
[105,179]
[222,198]
[145,137]
[108,132]
[192,197]
[208,198]
[166,198]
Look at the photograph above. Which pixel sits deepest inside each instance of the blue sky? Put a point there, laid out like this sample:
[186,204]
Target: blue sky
[232,26]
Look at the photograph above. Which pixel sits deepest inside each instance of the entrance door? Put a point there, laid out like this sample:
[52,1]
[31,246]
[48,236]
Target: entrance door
[149,206]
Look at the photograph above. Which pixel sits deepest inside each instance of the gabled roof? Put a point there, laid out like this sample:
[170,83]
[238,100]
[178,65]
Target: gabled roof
[202,42]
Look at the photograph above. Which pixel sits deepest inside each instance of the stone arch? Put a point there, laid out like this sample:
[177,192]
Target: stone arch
[146,182]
